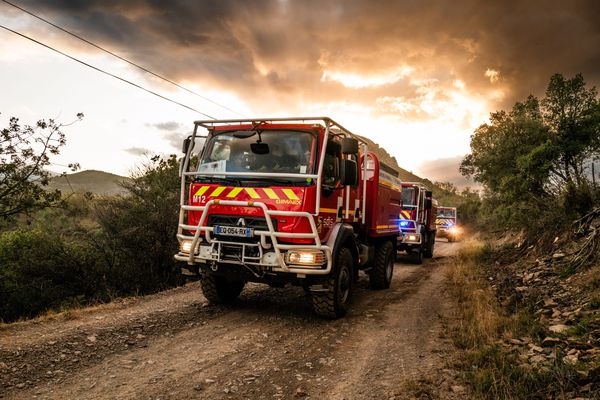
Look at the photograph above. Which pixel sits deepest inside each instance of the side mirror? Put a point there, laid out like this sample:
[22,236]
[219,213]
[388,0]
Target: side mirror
[349,174]
[186,145]
[349,146]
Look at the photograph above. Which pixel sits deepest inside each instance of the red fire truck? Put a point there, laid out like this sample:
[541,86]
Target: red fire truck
[286,201]
[447,225]
[417,221]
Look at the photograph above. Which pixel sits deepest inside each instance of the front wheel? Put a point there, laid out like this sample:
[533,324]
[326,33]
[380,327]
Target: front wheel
[334,302]
[218,289]
[380,276]
[417,255]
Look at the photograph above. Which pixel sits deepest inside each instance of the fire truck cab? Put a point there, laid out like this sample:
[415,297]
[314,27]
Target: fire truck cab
[286,201]
[417,221]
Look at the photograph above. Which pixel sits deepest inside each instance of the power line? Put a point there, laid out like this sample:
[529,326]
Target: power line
[105,72]
[121,58]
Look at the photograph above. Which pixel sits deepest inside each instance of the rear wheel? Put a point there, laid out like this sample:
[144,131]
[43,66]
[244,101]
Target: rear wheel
[218,289]
[380,276]
[430,245]
[334,302]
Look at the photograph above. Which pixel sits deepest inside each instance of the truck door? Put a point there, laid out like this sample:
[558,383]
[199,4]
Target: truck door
[332,191]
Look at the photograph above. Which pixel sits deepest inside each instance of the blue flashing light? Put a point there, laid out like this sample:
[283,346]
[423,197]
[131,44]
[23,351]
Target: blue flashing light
[403,224]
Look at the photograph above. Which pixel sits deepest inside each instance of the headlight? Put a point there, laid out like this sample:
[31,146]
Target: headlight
[185,246]
[455,229]
[305,257]
[412,238]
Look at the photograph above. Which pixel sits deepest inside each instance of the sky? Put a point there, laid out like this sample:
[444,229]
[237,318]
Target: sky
[415,76]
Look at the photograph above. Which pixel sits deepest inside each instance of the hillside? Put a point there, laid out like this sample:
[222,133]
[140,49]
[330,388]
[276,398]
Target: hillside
[97,182]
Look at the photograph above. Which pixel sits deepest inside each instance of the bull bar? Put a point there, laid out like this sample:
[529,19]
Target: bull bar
[281,266]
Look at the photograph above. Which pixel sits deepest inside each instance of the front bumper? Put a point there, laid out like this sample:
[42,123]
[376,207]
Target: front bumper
[265,261]
[410,238]
[267,254]
[448,233]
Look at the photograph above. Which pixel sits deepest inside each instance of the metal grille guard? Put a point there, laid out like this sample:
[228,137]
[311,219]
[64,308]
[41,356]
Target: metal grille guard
[271,233]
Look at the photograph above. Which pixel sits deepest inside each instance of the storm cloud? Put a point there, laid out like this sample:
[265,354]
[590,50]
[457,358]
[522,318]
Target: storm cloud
[388,55]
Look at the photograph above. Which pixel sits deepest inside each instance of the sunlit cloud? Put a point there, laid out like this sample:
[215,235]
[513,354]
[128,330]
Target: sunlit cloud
[447,104]
[355,80]
[493,75]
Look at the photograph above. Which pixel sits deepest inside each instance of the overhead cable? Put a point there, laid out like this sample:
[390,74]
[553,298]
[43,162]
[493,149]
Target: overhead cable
[120,57]
[105,72]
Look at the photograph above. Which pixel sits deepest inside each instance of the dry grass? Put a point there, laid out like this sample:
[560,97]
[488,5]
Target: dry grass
[489,368]
[480,319]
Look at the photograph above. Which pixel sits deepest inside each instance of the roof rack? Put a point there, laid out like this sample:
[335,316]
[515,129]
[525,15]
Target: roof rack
[211,123]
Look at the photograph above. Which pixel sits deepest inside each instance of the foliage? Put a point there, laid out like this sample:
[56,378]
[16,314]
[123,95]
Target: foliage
[24,153]
[534,159]
[467,202]
[93,248]
[138,230]
[41,270]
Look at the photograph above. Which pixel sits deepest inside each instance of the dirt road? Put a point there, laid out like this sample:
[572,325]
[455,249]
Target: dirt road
[267,346]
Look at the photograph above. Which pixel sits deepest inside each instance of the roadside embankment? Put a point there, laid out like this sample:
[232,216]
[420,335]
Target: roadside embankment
[527,328]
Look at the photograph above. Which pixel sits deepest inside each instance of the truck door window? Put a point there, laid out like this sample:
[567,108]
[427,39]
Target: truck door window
[408,197]
[331,166]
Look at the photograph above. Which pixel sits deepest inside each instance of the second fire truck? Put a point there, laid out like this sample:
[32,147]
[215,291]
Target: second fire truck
[417,221]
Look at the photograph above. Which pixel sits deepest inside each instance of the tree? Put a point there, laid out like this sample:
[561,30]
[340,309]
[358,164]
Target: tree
[24,153]
[571,113]
[138,231]
[503,150]
[535,156]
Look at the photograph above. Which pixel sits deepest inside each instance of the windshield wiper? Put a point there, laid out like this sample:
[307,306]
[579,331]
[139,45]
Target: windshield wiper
[279,181]
[215,179]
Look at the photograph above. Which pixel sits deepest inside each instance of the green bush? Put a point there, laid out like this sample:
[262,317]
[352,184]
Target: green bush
[41,271]
[93,248]
[138,230]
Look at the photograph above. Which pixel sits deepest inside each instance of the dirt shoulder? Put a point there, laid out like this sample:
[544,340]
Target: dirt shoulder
[393,344]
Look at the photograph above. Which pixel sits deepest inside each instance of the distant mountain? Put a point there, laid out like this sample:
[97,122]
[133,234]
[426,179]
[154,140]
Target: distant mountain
[97,182]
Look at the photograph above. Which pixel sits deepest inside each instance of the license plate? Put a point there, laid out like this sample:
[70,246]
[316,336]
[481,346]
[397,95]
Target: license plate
[234,231]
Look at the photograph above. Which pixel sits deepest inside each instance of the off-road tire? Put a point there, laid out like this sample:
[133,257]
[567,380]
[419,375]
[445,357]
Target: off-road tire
[335,301]
[380,276]
[428,253]
[417,256]
[218,290]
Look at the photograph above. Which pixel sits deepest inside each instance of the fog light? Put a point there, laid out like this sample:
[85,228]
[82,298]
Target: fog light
[305,257]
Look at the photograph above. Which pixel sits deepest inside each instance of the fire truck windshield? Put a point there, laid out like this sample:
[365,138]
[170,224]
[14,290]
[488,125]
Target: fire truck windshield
[272,151]
[446,213]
